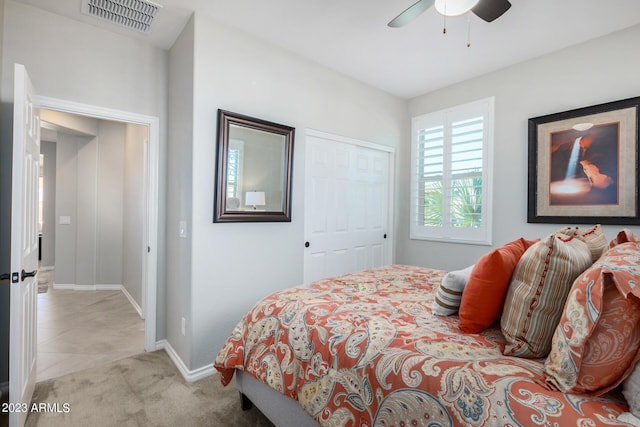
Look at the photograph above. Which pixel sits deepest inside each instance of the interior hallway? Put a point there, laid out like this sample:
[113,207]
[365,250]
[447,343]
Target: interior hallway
[82,329]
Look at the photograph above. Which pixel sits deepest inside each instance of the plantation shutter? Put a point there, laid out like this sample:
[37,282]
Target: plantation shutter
[451,191]
[466,173]
[232,172]
[432,157]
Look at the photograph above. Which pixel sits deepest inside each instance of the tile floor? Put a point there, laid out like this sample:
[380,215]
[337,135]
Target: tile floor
[82,329]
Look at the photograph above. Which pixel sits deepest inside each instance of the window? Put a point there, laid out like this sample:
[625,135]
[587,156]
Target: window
[234,169]
[232,172]
[451,154]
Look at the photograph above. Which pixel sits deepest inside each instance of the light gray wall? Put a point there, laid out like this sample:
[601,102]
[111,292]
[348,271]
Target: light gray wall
[110,212]
[179,193]
[1,28]
[48,151]
[66,205]
[77,62]
[84,220]
[602,70]
[134,210]
[74,61]
[239,73]
[90,186]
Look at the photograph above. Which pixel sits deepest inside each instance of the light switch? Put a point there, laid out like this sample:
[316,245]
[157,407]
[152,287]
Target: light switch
[182,225]
[65,220]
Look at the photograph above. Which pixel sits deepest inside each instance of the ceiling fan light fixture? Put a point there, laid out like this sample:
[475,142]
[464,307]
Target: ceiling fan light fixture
[454,7]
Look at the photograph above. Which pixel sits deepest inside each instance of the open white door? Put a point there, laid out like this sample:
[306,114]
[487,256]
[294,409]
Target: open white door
[24,247]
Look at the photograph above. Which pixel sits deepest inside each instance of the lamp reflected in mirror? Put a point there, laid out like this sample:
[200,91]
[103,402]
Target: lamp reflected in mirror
[255,199]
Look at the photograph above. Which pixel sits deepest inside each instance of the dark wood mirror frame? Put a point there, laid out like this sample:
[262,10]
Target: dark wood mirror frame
[230,125]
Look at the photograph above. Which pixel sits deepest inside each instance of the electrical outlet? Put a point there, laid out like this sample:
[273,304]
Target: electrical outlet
[184,326]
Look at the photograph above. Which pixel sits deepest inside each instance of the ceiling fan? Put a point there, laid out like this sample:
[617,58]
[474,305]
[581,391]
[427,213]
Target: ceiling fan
[487,10]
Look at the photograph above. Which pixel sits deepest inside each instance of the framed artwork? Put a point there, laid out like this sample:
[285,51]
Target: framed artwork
[583,165]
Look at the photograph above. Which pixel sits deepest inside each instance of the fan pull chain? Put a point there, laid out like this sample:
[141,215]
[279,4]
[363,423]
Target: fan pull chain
[468,29]
[444,18]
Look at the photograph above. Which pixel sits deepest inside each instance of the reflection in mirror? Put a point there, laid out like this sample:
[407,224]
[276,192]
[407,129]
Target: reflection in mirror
[255,164]
[254,169]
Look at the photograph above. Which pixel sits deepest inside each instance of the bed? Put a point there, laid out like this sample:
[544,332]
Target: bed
[366,349]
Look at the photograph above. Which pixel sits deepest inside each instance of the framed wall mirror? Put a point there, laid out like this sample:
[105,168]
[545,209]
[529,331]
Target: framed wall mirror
[254,165]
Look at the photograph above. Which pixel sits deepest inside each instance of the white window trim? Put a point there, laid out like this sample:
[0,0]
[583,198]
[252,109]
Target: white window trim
[478,236]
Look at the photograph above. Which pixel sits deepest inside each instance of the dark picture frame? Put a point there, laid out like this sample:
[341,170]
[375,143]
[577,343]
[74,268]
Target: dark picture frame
[254,168]
[583,165]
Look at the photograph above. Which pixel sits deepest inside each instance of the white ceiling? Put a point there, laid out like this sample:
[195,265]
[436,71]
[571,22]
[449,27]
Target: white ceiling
[351,36]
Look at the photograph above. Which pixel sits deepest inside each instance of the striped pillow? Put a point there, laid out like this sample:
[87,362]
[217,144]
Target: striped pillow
[537,293]
[594,238]
[449,292]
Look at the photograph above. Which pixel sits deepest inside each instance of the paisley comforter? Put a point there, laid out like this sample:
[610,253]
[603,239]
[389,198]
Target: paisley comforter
[364,350]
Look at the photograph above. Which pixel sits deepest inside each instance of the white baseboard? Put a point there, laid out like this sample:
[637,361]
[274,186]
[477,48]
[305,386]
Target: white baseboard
[46,268]
[132,301]
[71,287]
[188,375]
[64,287]
[109,287]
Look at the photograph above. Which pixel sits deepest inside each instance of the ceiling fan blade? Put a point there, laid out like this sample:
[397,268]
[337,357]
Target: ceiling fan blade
[490,10]
[411,13]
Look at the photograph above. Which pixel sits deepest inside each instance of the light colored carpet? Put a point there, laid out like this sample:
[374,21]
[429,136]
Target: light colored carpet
[143,390]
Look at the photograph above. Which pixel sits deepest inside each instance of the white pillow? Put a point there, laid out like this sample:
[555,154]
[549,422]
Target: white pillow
[629,418]
[449,292]
[631,390]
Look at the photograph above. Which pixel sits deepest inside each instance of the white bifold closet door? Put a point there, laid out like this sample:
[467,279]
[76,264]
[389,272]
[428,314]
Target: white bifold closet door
[348,192]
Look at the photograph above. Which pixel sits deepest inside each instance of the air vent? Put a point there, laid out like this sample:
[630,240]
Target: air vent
[137,15]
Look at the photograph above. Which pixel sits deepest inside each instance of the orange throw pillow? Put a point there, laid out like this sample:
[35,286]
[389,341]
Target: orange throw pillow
[483,297]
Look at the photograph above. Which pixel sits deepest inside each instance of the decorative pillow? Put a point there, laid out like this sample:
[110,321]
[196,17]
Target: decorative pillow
[594,238]
[629,418]
[631,390]
[483,297]
[450,292]
[595,346]
[537,293]
[623,236]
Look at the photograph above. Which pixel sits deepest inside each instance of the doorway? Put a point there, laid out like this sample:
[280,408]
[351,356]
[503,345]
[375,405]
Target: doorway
[91,232]
[148,251]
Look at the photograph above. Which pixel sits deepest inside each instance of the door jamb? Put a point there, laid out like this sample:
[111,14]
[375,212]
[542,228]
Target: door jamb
[150,260]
